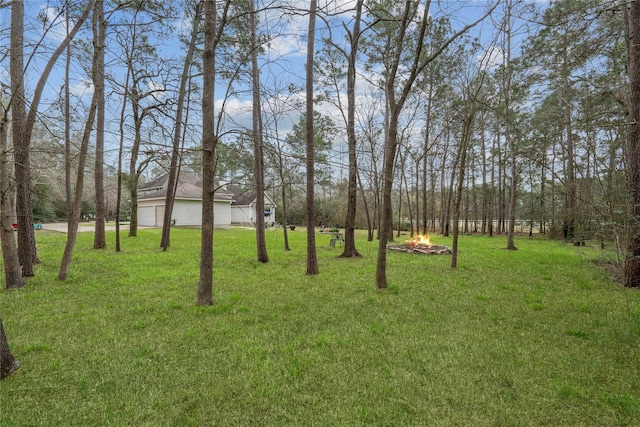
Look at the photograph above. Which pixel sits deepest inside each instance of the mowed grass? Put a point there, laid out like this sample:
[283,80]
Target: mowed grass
[540,336]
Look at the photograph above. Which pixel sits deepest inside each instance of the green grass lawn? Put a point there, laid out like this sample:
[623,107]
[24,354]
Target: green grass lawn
[540,336]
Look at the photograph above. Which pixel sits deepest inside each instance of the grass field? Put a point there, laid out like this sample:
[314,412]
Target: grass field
[540,336]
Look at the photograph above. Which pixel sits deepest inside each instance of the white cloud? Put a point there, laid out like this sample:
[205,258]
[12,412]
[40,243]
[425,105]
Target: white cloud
[82,88]
[285,45]
[342,8]
[158,89]
[57,29]
[239,111]
[492,57]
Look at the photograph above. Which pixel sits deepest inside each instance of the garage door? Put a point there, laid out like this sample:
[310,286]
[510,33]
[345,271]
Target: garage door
[159,215]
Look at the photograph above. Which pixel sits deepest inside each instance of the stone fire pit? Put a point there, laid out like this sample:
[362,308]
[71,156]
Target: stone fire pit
[420,245]
[421,249]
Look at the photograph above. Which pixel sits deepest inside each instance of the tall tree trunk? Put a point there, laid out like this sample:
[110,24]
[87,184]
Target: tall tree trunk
[532,217]
[285,208]
[409,208]
[132,180]
[67,127]
[450,194]
[12,274]
[570,184]
[8,363]
[632,261]
[74,221]
[350,250]
[465,205]
[505,218]
[99,240]
[256,136]
[24,129]
[165,240]
[467,131]
[125,97]
[507,129]
[205,283]
[377,196]
[444,191]
[485,193]
[512,200]
[401,170]
[279,160]
[427,133]
[432,193]
[570,188]
[500,213]
[312,260]
[543,180]
[511,207]
[377,203]
[386,218]
[26,237]
[492,196]
[366,208]
[553,191]
[418,189]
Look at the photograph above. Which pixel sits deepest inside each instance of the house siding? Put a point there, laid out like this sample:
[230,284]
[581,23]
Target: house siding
[185,213]
[246,214]
[146,215]
[222,214]
[242,215]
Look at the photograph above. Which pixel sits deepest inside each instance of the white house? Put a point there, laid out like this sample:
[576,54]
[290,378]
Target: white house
[243,207]
[231,205]
[187,206]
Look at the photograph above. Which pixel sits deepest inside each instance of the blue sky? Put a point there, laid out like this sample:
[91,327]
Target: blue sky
[282,63]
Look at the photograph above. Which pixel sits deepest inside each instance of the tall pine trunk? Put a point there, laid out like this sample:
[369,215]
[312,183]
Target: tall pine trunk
[507,130]
[285,209]
[125,97]
[23,125]
[256,136]
[350,250]
[99,239]
[12,274]
[165,240]
[467,132]
[132,179]
[205,282]
[632,262]
[427,146]
[74,221]
[67,127]
[21,142]
[312,259]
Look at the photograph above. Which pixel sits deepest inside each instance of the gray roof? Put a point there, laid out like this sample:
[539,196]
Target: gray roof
[246,197]
[189,187]
[242,197]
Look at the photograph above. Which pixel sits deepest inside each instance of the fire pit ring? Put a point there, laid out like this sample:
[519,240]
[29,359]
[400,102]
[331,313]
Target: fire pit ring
[420,245]
[421,249]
